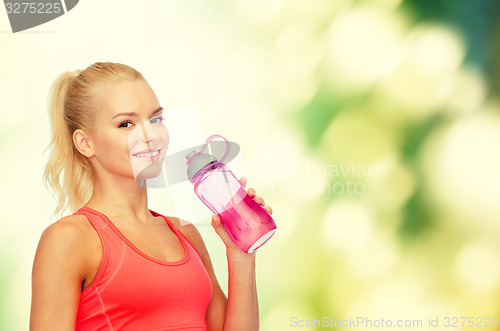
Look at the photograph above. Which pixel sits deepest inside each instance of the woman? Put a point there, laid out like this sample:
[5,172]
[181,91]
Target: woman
[114,264]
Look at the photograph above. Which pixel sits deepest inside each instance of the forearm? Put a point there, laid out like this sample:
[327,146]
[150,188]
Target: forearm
[242,310]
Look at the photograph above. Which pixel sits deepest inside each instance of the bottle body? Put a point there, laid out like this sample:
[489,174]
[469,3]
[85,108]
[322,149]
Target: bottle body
[248,224]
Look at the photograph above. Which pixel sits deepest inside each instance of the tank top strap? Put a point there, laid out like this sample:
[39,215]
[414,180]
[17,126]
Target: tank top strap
[177,231]
[114,251]
[108,236]
[102,229]
[97,222]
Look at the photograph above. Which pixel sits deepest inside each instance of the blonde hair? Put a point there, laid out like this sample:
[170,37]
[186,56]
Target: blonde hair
[73,100]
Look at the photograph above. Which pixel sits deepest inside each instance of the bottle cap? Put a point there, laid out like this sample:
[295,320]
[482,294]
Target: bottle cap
[198,163]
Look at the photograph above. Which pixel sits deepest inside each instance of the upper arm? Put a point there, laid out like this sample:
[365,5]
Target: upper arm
[57,276]
[217,309]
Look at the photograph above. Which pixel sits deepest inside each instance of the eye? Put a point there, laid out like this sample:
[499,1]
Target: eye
[158,119]
[124,122]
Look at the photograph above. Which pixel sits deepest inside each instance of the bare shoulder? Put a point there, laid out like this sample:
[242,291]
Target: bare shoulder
[57,275]
[67,237]
[75,227]
[64,246]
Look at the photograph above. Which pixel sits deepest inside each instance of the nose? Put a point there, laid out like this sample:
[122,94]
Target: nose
[149,132]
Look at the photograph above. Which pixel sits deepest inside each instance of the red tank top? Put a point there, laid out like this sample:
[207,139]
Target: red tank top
[133,291]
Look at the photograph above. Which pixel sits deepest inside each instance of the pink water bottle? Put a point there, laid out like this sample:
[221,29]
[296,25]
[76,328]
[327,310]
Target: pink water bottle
[248,224]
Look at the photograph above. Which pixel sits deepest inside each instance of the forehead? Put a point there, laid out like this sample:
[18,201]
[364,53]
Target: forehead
[127,96]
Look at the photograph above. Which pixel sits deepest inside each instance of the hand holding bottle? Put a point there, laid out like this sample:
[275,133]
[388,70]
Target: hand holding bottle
[221,230]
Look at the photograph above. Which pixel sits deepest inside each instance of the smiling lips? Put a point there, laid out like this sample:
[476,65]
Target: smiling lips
[148,154]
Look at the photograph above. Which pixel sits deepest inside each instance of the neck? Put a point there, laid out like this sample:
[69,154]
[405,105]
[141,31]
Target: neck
[119,196]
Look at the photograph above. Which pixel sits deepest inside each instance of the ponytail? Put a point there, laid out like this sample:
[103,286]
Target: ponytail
[63,159]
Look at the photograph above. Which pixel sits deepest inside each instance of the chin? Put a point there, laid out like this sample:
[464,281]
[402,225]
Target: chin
[153,170]
[144,168]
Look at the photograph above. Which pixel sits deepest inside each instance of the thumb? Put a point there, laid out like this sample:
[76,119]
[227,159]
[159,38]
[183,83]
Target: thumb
[221,230]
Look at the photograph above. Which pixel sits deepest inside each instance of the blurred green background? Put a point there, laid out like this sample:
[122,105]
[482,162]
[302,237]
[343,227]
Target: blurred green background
[371,127]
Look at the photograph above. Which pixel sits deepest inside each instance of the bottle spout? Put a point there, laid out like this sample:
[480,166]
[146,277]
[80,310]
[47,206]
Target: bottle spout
[190,156]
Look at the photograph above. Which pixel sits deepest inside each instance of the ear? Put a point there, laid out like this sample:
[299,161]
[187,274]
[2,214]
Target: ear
[82,143]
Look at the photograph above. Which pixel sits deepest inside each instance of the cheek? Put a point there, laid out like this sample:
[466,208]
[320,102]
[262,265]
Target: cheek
[115,145]
[111,144]
[120,148]
[165,138]
[112,150]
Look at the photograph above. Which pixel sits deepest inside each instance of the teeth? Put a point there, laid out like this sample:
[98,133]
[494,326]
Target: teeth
[149,154]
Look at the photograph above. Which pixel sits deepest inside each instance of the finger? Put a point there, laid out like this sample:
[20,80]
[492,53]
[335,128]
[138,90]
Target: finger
[251,192]
[259,200]
[243,181]
[269,209]
[216,220]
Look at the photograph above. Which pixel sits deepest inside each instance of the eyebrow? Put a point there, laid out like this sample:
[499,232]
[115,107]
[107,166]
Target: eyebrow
[135,114]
